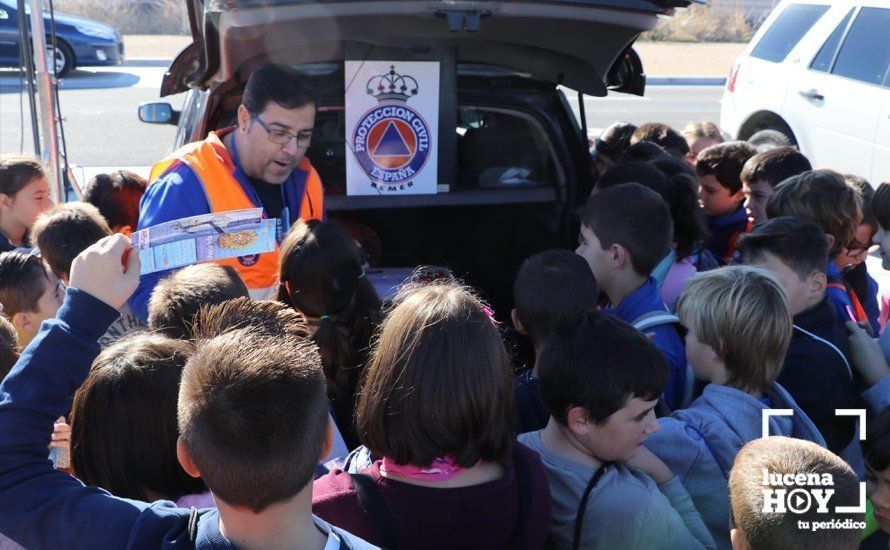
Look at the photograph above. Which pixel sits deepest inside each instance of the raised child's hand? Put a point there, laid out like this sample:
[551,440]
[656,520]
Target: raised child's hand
[107,271]
[866,354]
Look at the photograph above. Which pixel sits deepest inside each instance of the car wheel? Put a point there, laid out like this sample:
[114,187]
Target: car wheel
[62,57]
[764,140]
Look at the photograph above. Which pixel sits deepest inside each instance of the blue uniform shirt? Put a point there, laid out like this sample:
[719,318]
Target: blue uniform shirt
[647,299]
[179,194]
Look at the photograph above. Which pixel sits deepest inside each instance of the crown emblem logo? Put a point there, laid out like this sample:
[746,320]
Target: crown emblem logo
[392,86]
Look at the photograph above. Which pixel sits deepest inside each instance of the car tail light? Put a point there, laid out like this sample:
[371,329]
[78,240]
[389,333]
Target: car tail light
[730,84]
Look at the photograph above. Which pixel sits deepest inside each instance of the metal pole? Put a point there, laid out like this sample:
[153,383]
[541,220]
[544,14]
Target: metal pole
[45,82]
[28,66]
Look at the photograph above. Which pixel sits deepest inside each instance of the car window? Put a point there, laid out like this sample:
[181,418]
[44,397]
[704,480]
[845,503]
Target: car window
[3,14]
[500,148]
[496,149]
[822,61]
[787,30]
[865,54]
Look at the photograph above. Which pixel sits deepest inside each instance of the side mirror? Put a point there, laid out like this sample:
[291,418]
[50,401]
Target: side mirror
[626,74]
[158,113]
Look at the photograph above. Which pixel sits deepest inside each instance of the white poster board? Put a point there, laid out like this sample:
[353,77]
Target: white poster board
[392,127]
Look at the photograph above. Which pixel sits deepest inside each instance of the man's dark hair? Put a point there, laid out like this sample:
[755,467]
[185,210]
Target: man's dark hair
[725,162]
[551,287]
[599,363]
[635,217]
[123,420]
[876,447]
[23,280]
[116,195]
[798,243]
[65,231]
[177,299]
[775,166]
[279,84]
[665,136]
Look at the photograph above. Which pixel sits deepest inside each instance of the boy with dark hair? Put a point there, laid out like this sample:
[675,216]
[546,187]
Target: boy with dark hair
[117,195]
[763,172]
[738,327]
[816,370]
[65,231]
[719,168]
[176,300]
[663,135]
[824,198]
[551,287]
[764,465]
[600,380]
[257,457]
[851,259]
[625,232]
[29,291]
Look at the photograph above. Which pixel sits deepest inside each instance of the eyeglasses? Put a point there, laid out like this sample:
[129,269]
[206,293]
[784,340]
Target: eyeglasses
[281,137]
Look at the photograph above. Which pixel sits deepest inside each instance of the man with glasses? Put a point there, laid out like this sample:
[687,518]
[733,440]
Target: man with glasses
[260,162]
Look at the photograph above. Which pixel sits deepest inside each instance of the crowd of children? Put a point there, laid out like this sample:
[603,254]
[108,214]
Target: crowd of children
[689,357]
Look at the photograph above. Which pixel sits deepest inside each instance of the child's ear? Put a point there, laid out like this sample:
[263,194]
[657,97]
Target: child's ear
[125,229]
[185,459]
[619,256]
[738,540]
[578,420]
[831,240]
[739,195]
[6,201]
[517,324]
[818,284]
[21,321]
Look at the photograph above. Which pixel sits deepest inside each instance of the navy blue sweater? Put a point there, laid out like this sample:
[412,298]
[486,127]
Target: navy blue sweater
[41,507]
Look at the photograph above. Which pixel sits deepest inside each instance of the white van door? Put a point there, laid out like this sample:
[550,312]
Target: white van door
[837,98]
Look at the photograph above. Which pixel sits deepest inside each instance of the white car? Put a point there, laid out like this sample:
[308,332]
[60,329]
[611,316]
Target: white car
[817,75]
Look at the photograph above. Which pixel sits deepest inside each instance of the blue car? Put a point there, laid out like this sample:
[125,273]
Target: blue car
[80,42]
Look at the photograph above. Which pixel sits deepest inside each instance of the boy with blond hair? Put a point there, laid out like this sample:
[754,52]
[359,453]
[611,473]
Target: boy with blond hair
[757,467]
[738,326]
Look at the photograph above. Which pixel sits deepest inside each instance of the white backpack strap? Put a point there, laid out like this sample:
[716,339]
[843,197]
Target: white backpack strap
[829,344]
[654,319]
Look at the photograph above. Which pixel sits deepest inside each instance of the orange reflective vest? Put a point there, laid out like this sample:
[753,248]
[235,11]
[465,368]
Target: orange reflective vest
[212,164]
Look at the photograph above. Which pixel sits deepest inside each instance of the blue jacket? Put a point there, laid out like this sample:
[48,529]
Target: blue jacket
[41,507]
[531,414]
[645,300]
[838,296]
[179,194]
[699,444]
[724,232]
[818,377]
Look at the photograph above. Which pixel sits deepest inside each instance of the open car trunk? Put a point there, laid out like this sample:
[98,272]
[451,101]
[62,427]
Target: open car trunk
[570,42]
